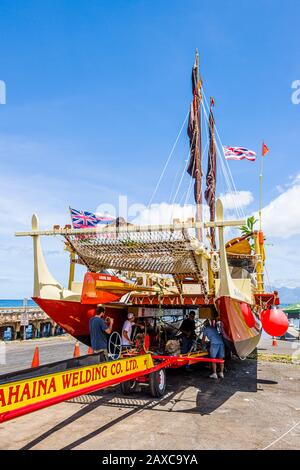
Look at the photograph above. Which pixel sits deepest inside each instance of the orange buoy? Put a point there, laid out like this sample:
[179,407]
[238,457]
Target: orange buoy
[274,321]
[36,358]
[248,315]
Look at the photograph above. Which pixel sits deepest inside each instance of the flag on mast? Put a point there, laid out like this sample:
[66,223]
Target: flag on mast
[86,219]
[239,153]
[265,149]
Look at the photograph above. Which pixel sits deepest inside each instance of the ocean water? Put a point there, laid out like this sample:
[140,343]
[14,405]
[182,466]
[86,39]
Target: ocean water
[6,303]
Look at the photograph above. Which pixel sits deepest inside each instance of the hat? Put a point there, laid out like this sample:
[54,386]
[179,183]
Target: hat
[130,316]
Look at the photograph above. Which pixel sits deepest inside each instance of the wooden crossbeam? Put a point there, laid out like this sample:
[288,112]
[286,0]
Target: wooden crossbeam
[131,228]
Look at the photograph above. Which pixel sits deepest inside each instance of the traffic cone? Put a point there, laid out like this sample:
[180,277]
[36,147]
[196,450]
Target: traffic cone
[274,342]
[90,350]
[36,358]
[76,352]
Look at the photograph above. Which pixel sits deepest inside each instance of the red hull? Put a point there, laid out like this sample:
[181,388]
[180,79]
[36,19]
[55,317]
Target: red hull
[241,337]
[74,317]
[240,327]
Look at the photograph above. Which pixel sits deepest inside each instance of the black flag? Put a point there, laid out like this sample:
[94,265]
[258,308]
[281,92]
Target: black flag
[194,168]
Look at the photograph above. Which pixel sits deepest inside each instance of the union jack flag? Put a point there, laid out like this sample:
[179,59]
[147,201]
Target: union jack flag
[85,219]
[239,153]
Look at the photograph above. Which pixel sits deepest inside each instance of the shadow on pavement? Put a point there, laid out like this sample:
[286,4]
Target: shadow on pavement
[211,394]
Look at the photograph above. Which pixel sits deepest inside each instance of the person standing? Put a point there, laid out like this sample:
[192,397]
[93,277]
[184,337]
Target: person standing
[217,348]
[187,328]
[99,329]
[127,330]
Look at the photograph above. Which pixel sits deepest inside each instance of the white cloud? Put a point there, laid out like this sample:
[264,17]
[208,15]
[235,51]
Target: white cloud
[164,213]
[279,188]
[238,199]
[281,217]
[290,283]
[282,266]
[19,198]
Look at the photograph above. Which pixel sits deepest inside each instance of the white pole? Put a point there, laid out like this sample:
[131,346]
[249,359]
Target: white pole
[260,191]
[25,311]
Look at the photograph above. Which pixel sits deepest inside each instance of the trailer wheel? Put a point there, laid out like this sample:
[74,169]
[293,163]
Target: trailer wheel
[128,387]
[158,383]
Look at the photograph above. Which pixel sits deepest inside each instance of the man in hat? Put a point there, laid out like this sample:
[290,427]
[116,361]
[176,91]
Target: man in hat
[127,330]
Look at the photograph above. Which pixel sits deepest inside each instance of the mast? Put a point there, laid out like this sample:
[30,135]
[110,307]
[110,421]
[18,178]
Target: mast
[194,133]
[198,155]
[211,175]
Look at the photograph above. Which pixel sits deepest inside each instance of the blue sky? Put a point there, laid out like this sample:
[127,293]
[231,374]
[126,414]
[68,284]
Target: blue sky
[96,94]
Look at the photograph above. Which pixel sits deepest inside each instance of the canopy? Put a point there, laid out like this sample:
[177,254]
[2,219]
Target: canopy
[295,308]
[238,246]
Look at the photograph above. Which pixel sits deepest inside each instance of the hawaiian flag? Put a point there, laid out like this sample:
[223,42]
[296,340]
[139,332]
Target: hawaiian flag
[239,153]
[85,219]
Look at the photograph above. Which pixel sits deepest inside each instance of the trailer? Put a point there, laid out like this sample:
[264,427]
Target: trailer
[32,389]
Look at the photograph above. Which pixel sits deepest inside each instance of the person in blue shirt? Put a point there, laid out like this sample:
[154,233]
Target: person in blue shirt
[99,328]
[217,348]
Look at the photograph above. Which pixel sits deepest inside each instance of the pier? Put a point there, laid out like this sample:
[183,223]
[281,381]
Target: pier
[12,319]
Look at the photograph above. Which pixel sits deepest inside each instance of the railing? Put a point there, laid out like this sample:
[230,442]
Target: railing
[13,314]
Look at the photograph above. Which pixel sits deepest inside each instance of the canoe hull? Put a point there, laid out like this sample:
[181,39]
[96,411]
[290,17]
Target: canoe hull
[74,317]
[240,332]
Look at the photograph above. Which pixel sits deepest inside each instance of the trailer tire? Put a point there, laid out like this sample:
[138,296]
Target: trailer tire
[128,387]
[158,383]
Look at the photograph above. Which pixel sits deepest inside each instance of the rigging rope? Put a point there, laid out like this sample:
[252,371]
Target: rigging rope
[186,163]
[229,188]
[168,160]
[268,283]
[184,170]
[225,168]
[229,182]
[174,184]
[180,181]
[188,192]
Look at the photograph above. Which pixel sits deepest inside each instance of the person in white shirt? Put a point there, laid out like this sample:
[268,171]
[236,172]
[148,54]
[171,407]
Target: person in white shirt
[127,330]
